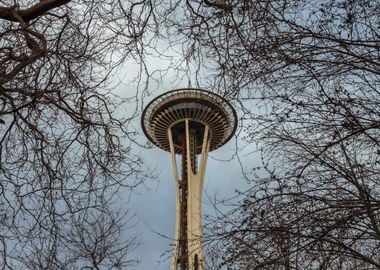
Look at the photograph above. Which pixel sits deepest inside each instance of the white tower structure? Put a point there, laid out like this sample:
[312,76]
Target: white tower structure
[189,123]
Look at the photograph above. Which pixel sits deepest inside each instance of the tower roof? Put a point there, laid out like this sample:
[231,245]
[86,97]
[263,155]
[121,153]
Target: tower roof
[200,107]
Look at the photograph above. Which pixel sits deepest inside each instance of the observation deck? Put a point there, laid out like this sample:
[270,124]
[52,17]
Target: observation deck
[201,108]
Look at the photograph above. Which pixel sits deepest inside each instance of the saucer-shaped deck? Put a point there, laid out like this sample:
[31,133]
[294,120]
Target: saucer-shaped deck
[201,108]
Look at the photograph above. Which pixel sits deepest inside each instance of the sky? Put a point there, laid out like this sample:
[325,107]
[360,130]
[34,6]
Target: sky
[153,202]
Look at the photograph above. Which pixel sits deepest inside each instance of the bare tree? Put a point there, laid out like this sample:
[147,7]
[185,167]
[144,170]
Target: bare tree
[247,45]
[64,144]
[90,239]
[95,239]
[306,77]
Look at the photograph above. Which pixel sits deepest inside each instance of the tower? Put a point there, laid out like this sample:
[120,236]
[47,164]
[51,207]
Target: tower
[189,123]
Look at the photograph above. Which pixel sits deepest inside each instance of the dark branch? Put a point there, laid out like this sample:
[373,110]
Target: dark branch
[32,12]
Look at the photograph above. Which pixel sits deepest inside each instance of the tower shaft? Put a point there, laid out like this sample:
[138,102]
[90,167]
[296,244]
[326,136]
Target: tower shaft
[188,252]
[183,245]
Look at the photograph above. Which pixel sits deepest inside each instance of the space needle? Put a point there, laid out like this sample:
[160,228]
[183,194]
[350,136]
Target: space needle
[189,123]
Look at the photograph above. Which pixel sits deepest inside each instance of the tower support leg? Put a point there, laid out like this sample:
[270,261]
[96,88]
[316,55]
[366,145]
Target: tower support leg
[188,250]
